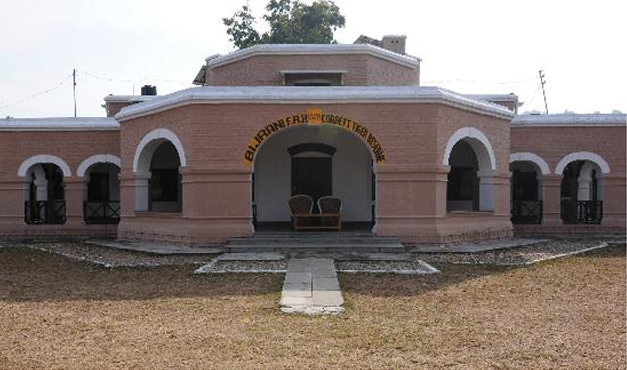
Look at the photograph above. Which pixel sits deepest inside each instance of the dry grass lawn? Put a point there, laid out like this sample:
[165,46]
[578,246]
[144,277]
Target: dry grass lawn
[564,314]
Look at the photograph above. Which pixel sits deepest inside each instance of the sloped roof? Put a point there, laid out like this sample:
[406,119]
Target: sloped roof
[317,95]
[312,49]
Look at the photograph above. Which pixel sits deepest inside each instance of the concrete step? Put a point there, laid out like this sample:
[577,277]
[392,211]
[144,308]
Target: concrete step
[312,239]
[316,247]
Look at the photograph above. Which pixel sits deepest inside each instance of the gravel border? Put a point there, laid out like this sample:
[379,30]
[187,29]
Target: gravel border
[416,267]
[522,256]
[110,257]
[277,263]
[244,266]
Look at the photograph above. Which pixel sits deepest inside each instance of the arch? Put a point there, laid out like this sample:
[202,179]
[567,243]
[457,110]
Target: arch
[98,158]
[44,158]
[311,147]
[150,142]
[530,157]
[350,174]
[582,156]
[479,143]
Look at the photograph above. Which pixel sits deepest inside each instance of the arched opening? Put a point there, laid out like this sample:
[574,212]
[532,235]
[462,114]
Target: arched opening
[472,164]
[101,198]
[45,194]
[527,192]
[582,193]
[315,160]
[462,192]
[158,184]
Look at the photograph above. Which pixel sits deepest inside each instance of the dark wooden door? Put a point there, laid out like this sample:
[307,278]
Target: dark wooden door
[312,176]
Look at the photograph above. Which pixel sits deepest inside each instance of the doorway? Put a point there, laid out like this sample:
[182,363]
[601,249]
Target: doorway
[312,176]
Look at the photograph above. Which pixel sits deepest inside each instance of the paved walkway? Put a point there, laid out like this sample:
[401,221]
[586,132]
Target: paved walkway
[311,287]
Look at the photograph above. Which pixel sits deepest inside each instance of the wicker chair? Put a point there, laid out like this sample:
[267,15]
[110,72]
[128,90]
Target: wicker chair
[330,212]
[301,207]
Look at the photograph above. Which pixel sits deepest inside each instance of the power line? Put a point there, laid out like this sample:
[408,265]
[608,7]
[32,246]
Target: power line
[42,92]
[144,78]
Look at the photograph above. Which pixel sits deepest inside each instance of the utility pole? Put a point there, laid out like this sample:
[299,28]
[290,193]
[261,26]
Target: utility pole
[542,82]
[74,88]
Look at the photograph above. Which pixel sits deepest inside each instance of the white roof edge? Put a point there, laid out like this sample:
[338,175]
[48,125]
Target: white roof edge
[285,49]
[60,124]
[570,119]
[318,95]
[128,98]
[497,97]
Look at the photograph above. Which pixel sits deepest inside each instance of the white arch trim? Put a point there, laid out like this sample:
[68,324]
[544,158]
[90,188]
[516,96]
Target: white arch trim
[582,156]
[530,157]
[473,133]
[160,133]
[98,158]
[44,158]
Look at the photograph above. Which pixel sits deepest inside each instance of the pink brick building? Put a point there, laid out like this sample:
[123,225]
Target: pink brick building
[222,160]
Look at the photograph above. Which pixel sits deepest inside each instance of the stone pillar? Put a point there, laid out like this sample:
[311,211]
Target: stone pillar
[583,190]
[41,186]
[552,200]
[486,190]
[74,188]
[614,205]
[142,191]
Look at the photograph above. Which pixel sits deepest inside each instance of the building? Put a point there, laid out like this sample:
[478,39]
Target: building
[421,163]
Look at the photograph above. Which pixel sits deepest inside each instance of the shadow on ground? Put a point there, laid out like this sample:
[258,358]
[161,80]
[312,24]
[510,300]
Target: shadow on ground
[29,275]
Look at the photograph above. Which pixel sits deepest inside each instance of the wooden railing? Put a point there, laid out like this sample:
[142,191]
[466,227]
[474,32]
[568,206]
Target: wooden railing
[105,212]
[526,212]
[582,212]
[38,212]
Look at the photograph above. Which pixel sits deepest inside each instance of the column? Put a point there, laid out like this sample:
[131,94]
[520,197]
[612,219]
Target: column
[552,200]
[74,188]
[142,191]
[486,190]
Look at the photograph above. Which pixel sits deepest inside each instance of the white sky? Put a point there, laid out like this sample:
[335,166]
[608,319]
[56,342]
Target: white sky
[466,46]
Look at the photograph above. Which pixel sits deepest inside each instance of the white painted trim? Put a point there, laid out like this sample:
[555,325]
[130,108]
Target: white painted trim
[98,158]
[531,157]
[314,49]
[473,133]
[44,158]
[128,98]
[60,124]
[160,133]
[312,95]
[571,119]
[582,156]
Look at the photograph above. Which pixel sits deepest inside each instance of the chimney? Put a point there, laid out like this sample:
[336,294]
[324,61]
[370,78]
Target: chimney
[149,90]
[395,43]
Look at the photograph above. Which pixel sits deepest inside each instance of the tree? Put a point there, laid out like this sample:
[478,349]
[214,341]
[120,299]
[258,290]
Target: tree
[291,22]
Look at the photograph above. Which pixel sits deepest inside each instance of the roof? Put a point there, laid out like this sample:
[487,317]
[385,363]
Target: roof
[312,49]
[494,97]
[59,124]
[570,119]
[317,95]
[127,98]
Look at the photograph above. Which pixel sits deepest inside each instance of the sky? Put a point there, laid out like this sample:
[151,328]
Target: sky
[470,47]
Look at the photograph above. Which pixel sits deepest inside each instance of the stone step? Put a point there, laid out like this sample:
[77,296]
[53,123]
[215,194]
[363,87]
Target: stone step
[312,239]
[316,247]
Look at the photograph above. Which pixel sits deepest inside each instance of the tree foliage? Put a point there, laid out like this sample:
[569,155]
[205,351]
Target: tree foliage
[291,22]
